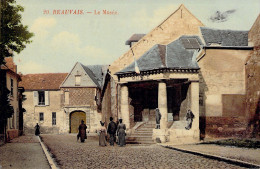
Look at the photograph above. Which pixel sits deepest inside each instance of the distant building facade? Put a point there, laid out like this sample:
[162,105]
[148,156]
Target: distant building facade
[59,101]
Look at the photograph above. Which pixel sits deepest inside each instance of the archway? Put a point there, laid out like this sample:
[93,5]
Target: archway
[75,120]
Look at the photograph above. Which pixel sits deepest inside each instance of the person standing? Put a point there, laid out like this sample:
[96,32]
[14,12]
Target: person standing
[82,131]
[111,131]
[121,133]
[37,129]
[102,135]
[189,118]
[157,118]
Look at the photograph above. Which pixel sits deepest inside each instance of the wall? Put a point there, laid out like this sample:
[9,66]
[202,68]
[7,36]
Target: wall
[222,93]
[31,116]
[80,96]
[13,101]
[253,80]
[106,105]
[222,71]
[85,80]
[81,99]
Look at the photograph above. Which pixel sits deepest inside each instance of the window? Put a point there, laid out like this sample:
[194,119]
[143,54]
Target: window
[41,98]
[77,80]
[12,87]
[41,116]
[53,118]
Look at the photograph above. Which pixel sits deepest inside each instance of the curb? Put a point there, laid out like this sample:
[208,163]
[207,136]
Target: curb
[48,156]
[219,158]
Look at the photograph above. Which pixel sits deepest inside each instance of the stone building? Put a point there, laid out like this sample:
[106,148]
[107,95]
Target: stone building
[183,65]
[59,101]
[253,79]
[9,71]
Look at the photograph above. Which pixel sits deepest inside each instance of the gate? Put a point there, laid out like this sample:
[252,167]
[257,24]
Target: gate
[75,120]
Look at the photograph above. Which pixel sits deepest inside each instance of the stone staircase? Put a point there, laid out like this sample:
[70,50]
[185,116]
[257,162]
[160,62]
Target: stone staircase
[142,134]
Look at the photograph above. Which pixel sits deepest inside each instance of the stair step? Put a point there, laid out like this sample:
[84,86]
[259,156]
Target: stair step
[140,142]
[140,139]
[138,136]
[144,129]
[143,132]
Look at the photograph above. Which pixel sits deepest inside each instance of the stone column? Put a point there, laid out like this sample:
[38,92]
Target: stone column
[125,106]
[162,104]
[195,107]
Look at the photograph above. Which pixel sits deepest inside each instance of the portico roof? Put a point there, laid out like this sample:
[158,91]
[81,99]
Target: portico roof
[179,54]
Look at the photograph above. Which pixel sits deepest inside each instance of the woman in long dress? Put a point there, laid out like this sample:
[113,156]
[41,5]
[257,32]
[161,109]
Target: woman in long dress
[37,130]
[121,133]
[102,135]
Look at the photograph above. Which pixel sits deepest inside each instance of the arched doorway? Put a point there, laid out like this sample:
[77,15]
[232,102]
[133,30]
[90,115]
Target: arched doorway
[75,120]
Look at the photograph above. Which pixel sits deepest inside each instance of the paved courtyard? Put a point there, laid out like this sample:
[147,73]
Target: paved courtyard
[72,154]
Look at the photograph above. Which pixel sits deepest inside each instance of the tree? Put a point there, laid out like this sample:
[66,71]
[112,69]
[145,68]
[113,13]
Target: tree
[13,38]
[14,35]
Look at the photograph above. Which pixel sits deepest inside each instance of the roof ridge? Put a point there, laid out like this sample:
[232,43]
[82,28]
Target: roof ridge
[223,29]
[42,73]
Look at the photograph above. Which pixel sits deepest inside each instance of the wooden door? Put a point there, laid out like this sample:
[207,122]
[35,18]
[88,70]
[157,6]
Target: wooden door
[75,120]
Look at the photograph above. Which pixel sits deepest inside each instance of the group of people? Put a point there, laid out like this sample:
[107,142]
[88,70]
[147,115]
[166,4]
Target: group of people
[113,130]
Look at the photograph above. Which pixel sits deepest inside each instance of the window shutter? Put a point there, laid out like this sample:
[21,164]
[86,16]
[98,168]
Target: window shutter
[35,98]
[46,94]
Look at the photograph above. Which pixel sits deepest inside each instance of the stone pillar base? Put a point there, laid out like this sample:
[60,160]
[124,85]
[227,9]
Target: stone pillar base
[160,135]
[182,136]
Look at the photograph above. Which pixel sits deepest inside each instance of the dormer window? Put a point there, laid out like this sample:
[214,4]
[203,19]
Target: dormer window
[77,80]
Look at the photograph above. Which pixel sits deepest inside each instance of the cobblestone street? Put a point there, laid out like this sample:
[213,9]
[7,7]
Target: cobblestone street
[69,153]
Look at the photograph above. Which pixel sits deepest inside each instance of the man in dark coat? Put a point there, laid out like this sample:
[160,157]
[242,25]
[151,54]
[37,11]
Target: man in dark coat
[189,118]
[158,118]
[82,131]
[112,127]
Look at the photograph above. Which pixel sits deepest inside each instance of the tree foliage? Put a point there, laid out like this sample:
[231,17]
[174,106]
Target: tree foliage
[6,109]
[14,35]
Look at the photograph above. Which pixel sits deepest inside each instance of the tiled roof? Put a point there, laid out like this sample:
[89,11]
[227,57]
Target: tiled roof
[134,38]
[173,55]
[44,81]
[96,73]
[224,37]
[9,64]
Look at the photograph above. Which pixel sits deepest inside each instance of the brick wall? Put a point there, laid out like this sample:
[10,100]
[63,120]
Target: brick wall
[80,96]
[253,80]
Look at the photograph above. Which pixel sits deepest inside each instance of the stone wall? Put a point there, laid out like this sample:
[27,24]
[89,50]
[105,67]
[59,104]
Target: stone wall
[31,116]
[106,105]
[253,80]
[222,71]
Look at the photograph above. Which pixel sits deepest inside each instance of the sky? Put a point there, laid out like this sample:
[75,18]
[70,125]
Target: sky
[61,40]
